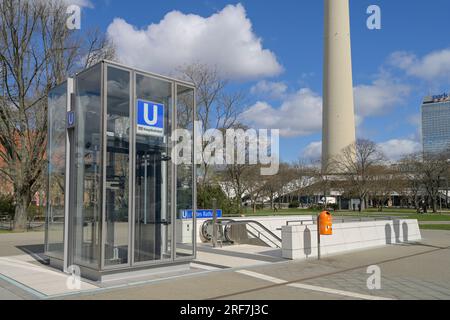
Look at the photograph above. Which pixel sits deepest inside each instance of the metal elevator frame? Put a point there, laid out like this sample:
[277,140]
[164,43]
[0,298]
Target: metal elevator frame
[70,189]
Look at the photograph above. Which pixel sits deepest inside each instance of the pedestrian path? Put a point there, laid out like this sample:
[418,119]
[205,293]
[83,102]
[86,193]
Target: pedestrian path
[307,287]
[237,256]
[37,279]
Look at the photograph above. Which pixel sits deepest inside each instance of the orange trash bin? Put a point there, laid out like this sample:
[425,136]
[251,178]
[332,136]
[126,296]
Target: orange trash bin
[326,224]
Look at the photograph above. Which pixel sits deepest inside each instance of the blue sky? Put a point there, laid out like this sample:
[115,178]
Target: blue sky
[393,68]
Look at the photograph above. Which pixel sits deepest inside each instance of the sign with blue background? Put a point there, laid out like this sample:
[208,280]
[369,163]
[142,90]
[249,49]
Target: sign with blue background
[150,118]
[70,120]
[201,214]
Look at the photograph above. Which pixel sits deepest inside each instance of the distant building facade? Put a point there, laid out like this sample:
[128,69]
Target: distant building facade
[436,124]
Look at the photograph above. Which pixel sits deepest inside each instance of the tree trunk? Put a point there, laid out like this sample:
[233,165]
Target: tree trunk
[434,204]
[21,213]
[239,205]
[418,204]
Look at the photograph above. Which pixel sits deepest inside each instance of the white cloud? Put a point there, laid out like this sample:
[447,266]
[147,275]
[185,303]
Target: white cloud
[393,149]
[80,3]
[224,40]
[431,67]
[300,114]
[380,96]
[270,89]
[313,151]
[396,149]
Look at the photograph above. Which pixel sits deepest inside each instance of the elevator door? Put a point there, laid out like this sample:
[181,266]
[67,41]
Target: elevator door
[152,228]
[153,173]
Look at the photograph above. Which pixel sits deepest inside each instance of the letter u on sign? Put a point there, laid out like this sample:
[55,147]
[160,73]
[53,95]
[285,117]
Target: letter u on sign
[154,120]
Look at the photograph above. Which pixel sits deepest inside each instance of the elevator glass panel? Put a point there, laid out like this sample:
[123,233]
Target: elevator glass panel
[88,169]
[153,225]
[117,167]
[185,175]
[57,108]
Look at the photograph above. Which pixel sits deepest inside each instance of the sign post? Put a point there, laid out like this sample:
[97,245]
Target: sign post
[214,237]
[70,119]
[318,237]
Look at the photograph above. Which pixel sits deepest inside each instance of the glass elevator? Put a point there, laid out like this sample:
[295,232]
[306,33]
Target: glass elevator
[115,197]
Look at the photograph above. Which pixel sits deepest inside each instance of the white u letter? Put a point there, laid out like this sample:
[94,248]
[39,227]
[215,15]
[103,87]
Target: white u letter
[155,115]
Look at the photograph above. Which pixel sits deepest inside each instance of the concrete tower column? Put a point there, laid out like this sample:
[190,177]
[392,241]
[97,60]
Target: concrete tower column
[338,104]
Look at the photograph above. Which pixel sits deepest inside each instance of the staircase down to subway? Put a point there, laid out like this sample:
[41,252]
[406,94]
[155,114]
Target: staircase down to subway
[296,238]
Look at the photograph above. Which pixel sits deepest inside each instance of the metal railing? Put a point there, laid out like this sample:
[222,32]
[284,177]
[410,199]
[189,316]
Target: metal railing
[36,222]
[344,219]
[362,219]
[302,222]
[6,222]
[264,234]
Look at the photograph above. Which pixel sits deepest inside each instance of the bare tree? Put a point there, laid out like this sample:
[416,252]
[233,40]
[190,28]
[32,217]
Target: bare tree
[410,168]
[386,181]
[253,185]
[217,108]
[235,175]
[238,173]
[433,169]
[94,47]
[37,52]
[277,185]
[358,162]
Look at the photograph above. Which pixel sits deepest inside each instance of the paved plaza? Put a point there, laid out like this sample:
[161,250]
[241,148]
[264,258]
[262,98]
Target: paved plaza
[412,271]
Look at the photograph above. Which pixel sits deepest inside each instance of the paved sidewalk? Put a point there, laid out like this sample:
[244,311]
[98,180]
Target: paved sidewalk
[416,271]
[15,244]
[420,271]
[12,292]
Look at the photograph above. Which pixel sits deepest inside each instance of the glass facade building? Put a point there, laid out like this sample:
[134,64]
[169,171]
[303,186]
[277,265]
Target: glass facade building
[115,198]
[436,124]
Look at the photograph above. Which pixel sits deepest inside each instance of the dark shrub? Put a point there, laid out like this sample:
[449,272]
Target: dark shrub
[7,206]
[294,205]
[205,196]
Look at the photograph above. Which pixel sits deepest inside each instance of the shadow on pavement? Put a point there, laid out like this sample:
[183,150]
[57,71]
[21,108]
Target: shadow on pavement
[35,251]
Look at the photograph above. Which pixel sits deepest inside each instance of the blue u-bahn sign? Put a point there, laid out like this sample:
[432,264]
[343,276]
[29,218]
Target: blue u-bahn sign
[70,119]
[201,214]
[150,118]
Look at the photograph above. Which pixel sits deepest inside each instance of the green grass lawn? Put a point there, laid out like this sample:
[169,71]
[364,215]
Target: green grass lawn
[430,217]
[435,227]
[392,210]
